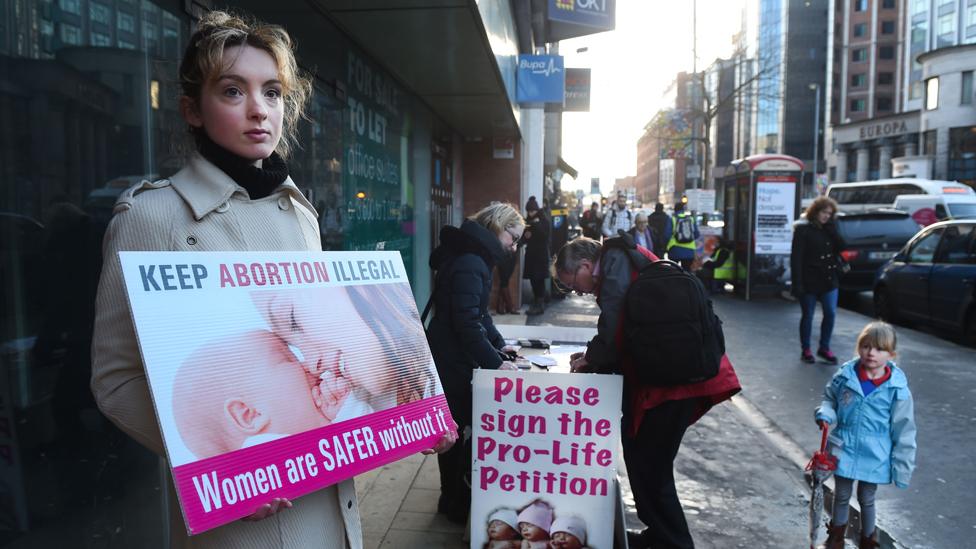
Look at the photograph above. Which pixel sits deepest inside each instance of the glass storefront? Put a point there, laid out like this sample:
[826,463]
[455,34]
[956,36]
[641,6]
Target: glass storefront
[89,107]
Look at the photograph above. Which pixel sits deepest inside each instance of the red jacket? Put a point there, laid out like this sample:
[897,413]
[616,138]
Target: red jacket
[644,397]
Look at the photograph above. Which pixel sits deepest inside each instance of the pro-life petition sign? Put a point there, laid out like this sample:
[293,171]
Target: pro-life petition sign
[543,448]
[275,374]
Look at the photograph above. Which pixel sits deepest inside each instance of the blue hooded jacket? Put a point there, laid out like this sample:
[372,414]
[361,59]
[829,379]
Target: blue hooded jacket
[874,437]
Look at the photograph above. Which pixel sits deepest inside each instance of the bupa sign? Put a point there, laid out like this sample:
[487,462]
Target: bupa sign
[541,79]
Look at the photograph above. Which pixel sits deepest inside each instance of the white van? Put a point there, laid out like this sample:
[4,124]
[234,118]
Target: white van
[926,209]
[870,195]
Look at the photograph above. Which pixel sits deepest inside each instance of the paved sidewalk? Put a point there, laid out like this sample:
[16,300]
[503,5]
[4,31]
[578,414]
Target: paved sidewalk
[738,487]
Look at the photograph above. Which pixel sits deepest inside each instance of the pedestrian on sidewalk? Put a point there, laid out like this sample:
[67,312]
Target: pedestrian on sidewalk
[871,407]
[683,245]
[655,418]
[660,224]
[618,217]
[590,222]
[462,335]
[815,265]
[641,233]
[537,254]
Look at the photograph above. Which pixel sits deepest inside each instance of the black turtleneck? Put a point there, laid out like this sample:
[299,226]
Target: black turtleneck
[258,182]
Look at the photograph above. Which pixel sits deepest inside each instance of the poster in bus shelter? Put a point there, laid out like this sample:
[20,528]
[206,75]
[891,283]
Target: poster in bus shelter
[543,459]
[775,213]
[276,374]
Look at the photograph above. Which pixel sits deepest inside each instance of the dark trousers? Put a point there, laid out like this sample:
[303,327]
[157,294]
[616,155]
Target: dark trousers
[650,467]
[455,464]
[538,288]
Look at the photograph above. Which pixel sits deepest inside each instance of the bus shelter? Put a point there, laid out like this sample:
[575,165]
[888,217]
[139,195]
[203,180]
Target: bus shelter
[761,201]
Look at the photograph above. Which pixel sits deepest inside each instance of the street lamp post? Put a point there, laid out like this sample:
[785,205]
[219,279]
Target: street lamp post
[816,133]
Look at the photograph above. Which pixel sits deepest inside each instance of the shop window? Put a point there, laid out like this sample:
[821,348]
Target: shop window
[928,142]
[884,104]
[100,13]
[100,39]
[126,22]
[885,78]
[947,30]
[70,34]
[932,93]
[857,105]
[859,80]
[860,29]
[915,90]
[886,52]
[887,27]
[859,54]
[70,6]
[74,136]
[966,91]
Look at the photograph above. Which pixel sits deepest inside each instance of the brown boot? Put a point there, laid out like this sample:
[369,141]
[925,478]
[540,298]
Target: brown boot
[869,542]
[835,537]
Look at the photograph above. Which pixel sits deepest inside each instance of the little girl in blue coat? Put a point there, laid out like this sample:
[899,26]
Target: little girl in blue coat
[869,403]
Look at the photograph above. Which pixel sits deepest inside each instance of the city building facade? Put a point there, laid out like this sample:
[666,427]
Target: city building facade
[905,96]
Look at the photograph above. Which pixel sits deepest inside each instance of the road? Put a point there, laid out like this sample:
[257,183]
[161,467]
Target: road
[936,510]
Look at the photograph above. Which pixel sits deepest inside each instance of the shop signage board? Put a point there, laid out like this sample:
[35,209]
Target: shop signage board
[543,451]
[577,90]
[540,79]
[276,374]
[571,18]
[775,198]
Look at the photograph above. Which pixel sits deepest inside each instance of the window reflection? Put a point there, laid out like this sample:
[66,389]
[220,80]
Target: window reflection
[87,108]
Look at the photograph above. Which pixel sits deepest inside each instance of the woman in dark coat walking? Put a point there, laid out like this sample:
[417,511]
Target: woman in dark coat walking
[537,254]
[814,267]
[462,335]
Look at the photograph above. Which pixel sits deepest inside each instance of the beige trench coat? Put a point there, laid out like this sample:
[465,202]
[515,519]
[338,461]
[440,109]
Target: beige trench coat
[201,209]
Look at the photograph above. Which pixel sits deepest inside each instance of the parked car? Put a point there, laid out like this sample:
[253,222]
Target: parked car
[869,240]
[932,279]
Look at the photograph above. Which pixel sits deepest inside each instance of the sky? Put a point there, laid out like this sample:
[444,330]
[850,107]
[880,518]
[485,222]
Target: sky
[631,69]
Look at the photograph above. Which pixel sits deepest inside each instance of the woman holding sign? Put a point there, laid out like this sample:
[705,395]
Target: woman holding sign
[242,98]
[462,335]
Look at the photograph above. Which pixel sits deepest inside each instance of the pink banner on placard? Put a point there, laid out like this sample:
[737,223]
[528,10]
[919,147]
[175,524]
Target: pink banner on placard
[230,486]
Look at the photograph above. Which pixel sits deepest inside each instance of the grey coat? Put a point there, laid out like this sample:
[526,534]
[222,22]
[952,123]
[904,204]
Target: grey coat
[201,209]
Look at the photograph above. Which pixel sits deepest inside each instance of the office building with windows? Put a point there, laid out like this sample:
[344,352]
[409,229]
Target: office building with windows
[902,95]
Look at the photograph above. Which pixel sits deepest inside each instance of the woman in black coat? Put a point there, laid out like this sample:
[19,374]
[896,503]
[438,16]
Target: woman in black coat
[537,254]
[462,335]
[814,267]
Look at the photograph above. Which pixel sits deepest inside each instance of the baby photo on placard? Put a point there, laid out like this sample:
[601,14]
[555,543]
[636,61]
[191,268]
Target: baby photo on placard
[278,374]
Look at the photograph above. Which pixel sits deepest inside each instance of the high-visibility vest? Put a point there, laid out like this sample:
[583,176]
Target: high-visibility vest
[727,270]
[673,243]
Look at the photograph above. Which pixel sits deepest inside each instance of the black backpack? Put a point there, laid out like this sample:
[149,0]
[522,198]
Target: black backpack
[670,331]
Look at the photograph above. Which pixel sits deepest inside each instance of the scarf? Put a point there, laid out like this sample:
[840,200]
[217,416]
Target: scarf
[258,182]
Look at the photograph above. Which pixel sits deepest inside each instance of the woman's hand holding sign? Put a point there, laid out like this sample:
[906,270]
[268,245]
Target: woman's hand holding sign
[446,441]
[277,505]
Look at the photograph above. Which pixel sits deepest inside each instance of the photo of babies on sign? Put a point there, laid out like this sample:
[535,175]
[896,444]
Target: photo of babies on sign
[535,526]
[275,377]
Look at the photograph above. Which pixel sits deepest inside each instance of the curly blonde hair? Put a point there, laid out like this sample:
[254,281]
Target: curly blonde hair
[204,60]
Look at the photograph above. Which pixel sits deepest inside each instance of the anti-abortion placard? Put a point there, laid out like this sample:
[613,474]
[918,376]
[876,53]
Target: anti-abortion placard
[544,466]
[275,374]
